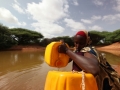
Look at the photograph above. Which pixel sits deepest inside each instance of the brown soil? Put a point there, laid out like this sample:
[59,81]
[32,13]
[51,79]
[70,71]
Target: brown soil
[114,46]
[27,47]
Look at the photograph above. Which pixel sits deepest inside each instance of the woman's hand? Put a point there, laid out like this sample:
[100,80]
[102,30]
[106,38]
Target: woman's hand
[62,48]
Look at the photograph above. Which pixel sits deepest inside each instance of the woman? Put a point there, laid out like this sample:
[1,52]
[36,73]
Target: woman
[81,61]
[85,60]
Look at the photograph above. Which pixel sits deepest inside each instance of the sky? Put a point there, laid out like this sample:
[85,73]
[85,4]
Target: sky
[53,18]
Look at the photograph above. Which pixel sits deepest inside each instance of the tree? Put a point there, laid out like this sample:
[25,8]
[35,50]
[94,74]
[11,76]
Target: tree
[116,34]
[45,41]
[25,36]
[107,37]
[66,39]
[96,36]
[6,39]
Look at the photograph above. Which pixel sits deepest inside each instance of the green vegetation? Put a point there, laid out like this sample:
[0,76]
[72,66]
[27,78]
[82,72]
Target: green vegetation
[25,37]
[18,36]
[6,39]
[21,36]
[105,37]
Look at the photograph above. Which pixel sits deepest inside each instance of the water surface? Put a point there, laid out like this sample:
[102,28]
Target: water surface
[22,70]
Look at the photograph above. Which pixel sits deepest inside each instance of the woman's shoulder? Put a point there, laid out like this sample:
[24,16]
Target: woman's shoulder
[89,49]
[85,49]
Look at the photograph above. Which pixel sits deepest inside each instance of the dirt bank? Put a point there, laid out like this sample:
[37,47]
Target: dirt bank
[27,47]
[114,46]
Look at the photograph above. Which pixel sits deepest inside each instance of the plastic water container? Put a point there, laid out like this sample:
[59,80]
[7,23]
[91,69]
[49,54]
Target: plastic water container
[58,80]
[53,58]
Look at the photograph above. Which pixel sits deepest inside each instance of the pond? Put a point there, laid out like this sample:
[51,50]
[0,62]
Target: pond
[26,70]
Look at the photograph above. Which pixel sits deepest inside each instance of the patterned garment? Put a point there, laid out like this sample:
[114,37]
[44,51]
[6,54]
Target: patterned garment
[107,79]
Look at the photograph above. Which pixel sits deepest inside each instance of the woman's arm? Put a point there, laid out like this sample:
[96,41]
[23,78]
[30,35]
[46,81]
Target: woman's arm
[88,62]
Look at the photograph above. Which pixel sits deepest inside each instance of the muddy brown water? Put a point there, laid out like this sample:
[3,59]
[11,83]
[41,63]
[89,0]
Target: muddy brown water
[22,70]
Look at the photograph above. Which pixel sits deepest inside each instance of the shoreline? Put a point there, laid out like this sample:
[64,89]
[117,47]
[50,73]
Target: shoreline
[26,48]
[113,48]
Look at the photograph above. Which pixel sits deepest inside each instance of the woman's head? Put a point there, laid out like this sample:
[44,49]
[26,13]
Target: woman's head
[81,39]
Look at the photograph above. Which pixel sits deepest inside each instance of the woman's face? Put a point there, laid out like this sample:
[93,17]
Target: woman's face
[79,42]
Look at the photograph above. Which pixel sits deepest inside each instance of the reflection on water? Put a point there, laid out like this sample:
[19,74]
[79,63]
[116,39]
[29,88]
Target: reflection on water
[21,70]
[17,60]
[27,70]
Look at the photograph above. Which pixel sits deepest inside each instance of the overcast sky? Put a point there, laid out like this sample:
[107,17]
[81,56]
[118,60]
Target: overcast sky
[61,17]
